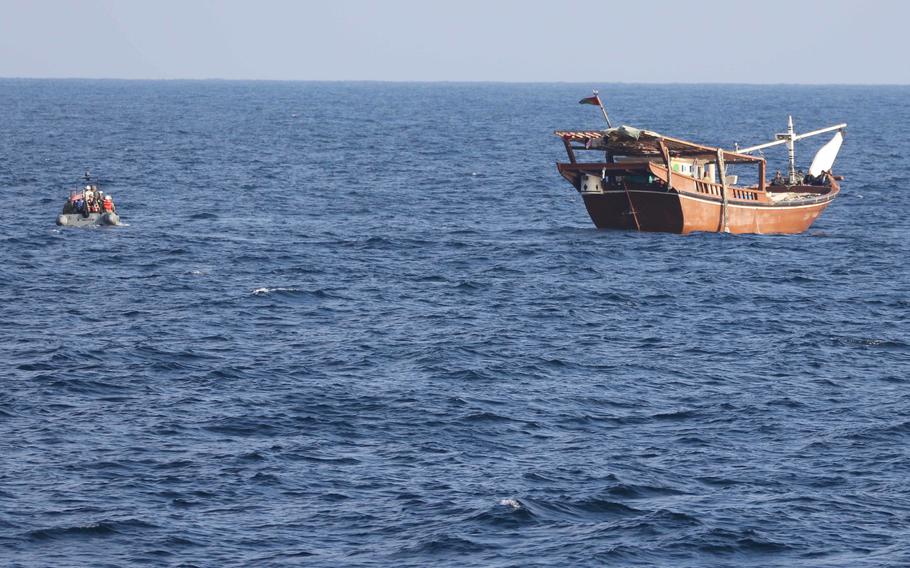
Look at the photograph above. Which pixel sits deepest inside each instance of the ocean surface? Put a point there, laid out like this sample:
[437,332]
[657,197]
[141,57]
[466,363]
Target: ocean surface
[367,324]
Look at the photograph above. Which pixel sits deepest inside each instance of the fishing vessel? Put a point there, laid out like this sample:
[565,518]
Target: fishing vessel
[645,181]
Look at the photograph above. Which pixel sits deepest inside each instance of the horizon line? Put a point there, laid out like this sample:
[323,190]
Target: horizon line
[452,81]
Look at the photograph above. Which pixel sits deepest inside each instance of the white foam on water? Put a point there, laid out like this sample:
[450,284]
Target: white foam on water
[513,503]
[264,291]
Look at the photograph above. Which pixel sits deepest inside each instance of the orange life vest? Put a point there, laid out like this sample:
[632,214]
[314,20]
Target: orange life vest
[108,206]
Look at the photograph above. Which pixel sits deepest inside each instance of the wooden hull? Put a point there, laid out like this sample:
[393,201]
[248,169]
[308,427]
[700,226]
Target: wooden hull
[687,204]
[675,212]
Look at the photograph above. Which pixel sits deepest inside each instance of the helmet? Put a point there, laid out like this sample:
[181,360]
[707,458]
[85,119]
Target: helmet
[88,187]
[108,198]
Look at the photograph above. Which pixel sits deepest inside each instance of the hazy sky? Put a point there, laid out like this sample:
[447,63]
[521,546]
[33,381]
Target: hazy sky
[764,41]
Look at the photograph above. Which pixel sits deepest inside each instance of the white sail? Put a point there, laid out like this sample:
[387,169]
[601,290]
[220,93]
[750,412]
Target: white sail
[825,156]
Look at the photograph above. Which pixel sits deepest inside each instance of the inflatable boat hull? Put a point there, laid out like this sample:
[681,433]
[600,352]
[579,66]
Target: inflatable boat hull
[93,219]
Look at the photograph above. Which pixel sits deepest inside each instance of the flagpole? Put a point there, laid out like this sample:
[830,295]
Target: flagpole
[602,109]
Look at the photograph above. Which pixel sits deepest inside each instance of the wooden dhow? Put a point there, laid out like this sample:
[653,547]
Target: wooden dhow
[645,181]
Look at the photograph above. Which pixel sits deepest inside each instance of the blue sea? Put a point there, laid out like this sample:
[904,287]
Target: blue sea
[368,324]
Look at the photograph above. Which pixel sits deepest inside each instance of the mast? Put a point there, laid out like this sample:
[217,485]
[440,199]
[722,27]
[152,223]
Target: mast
[789,138]
[602,109]
[791,149]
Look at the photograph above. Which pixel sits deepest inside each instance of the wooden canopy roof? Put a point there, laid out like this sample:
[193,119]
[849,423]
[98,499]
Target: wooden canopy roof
[628,141]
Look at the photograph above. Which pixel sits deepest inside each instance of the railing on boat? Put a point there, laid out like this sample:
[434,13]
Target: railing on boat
[678,181]
[688,183]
